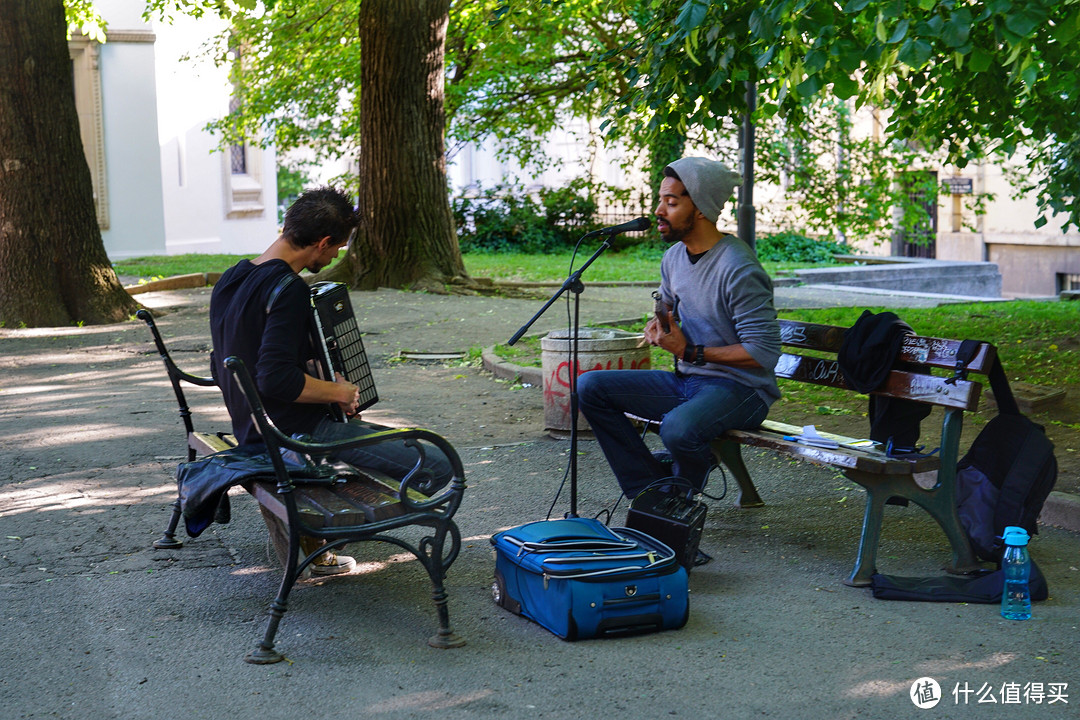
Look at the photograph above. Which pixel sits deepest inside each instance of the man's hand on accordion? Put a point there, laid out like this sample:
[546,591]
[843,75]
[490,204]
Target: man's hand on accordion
[341,392]
[351,404]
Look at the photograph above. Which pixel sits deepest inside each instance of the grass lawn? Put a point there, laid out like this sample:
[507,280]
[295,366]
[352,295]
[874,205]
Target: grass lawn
[641,265]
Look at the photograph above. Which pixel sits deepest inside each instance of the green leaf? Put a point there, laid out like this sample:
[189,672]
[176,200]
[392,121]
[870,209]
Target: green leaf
[854,6]
[764,59]
[1029,72]
[1024,19]
[980,60]
[957,28]
[718,78]
[692,15]
[899,32]
[914,53]
[809,87]
[1067,30]
[814,61]
[844,87]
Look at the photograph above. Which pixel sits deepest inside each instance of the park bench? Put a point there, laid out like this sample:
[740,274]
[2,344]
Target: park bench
[886,478]
[328,505]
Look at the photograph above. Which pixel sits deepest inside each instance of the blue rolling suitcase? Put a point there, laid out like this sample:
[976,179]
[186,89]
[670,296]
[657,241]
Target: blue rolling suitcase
[581,579]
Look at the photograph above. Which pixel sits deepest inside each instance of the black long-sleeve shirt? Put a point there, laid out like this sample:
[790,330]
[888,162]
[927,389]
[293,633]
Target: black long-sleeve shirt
[272,337]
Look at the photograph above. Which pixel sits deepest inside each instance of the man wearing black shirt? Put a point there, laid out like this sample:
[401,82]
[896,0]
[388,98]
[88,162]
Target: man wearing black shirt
[260,312]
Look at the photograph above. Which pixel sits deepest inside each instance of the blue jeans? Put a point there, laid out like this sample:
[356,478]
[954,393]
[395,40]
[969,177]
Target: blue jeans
[392,457]
[693,409]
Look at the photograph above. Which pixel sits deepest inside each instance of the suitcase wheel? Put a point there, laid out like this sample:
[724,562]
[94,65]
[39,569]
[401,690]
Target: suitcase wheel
[500,596]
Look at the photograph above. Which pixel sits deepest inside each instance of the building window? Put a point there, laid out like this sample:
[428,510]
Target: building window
[1068,281]
[238,159]
[84,69]
[242,170]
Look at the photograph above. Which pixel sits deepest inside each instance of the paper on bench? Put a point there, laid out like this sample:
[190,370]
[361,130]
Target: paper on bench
[810,437]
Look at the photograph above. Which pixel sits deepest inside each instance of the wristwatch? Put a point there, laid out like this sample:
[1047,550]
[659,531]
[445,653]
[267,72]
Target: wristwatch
[697,358]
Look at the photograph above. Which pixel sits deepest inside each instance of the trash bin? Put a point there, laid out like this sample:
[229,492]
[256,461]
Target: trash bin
[598,349]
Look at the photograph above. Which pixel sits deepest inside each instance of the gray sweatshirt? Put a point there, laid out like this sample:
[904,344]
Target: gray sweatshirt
[725,298]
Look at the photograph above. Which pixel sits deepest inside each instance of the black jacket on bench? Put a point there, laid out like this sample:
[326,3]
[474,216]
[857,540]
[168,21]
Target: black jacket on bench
[866,356]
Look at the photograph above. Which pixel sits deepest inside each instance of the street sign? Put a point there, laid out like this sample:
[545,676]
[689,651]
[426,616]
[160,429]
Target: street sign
[958,185]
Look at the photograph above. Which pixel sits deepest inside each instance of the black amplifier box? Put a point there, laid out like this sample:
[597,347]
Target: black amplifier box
[673,519]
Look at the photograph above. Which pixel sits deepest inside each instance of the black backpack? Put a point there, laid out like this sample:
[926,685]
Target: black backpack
[1008,472]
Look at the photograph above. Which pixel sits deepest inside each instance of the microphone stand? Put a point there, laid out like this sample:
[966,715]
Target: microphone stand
[574,285]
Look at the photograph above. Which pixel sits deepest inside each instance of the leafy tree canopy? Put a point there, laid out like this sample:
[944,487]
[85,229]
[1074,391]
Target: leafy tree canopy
[514,71]
[974,76]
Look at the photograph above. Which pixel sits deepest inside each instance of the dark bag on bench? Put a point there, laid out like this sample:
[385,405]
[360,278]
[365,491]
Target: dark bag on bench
[1007,474]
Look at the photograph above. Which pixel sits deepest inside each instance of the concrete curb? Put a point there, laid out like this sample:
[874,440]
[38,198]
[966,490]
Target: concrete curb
[176,282]
[509,371]
[1061,509]
[904,293]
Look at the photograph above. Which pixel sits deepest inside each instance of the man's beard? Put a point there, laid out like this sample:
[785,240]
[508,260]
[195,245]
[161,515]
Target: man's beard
[676,234]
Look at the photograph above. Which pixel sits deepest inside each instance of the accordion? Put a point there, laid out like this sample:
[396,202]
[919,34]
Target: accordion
[341,349]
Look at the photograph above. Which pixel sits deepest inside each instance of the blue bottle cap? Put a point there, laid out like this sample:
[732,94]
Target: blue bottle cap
[1015,536]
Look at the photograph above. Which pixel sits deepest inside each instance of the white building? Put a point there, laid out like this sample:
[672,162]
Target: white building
[159,186]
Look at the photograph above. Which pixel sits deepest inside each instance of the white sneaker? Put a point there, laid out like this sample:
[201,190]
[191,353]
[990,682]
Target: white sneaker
[332,564]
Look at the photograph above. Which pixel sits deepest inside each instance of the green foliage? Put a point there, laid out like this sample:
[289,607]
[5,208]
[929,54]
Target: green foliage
[507,218]
[836,183]
[291,181]
[793,247]
[966,77]
[82,16]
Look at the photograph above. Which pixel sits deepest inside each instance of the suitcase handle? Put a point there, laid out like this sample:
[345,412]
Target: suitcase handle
[607,571]
[582,545]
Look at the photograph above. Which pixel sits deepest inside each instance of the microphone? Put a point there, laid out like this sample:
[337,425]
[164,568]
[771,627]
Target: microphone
[632,226]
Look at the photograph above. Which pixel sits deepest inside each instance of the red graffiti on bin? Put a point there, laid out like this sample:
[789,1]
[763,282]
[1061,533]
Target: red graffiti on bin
[554,394]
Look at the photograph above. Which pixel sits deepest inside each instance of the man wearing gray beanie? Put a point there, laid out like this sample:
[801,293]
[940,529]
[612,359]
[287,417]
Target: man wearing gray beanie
[716,315]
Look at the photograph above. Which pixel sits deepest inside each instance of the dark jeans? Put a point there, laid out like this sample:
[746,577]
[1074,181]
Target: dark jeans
[693,409]
[392,457]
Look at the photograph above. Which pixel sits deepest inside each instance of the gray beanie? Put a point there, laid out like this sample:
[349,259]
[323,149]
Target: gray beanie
[708,182]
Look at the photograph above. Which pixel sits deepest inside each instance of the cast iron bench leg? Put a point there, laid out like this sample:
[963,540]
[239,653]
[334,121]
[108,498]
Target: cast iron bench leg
[264,653]
[876,495]
[942,507]
[730,454]
[432,551]
[168,541]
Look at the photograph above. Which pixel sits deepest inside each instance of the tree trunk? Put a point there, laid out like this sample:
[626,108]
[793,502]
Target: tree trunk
[406,236]
[53,266]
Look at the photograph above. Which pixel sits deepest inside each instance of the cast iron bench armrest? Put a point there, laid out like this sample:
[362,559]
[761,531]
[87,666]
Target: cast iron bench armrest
[276,440]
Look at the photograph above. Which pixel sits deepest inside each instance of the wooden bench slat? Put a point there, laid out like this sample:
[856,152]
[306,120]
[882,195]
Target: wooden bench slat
[872,460]
[334,509]
[917,349]
[208,443]
[932,389]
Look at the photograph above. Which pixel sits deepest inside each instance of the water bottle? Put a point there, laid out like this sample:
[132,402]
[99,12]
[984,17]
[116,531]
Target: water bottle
[1016,566]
